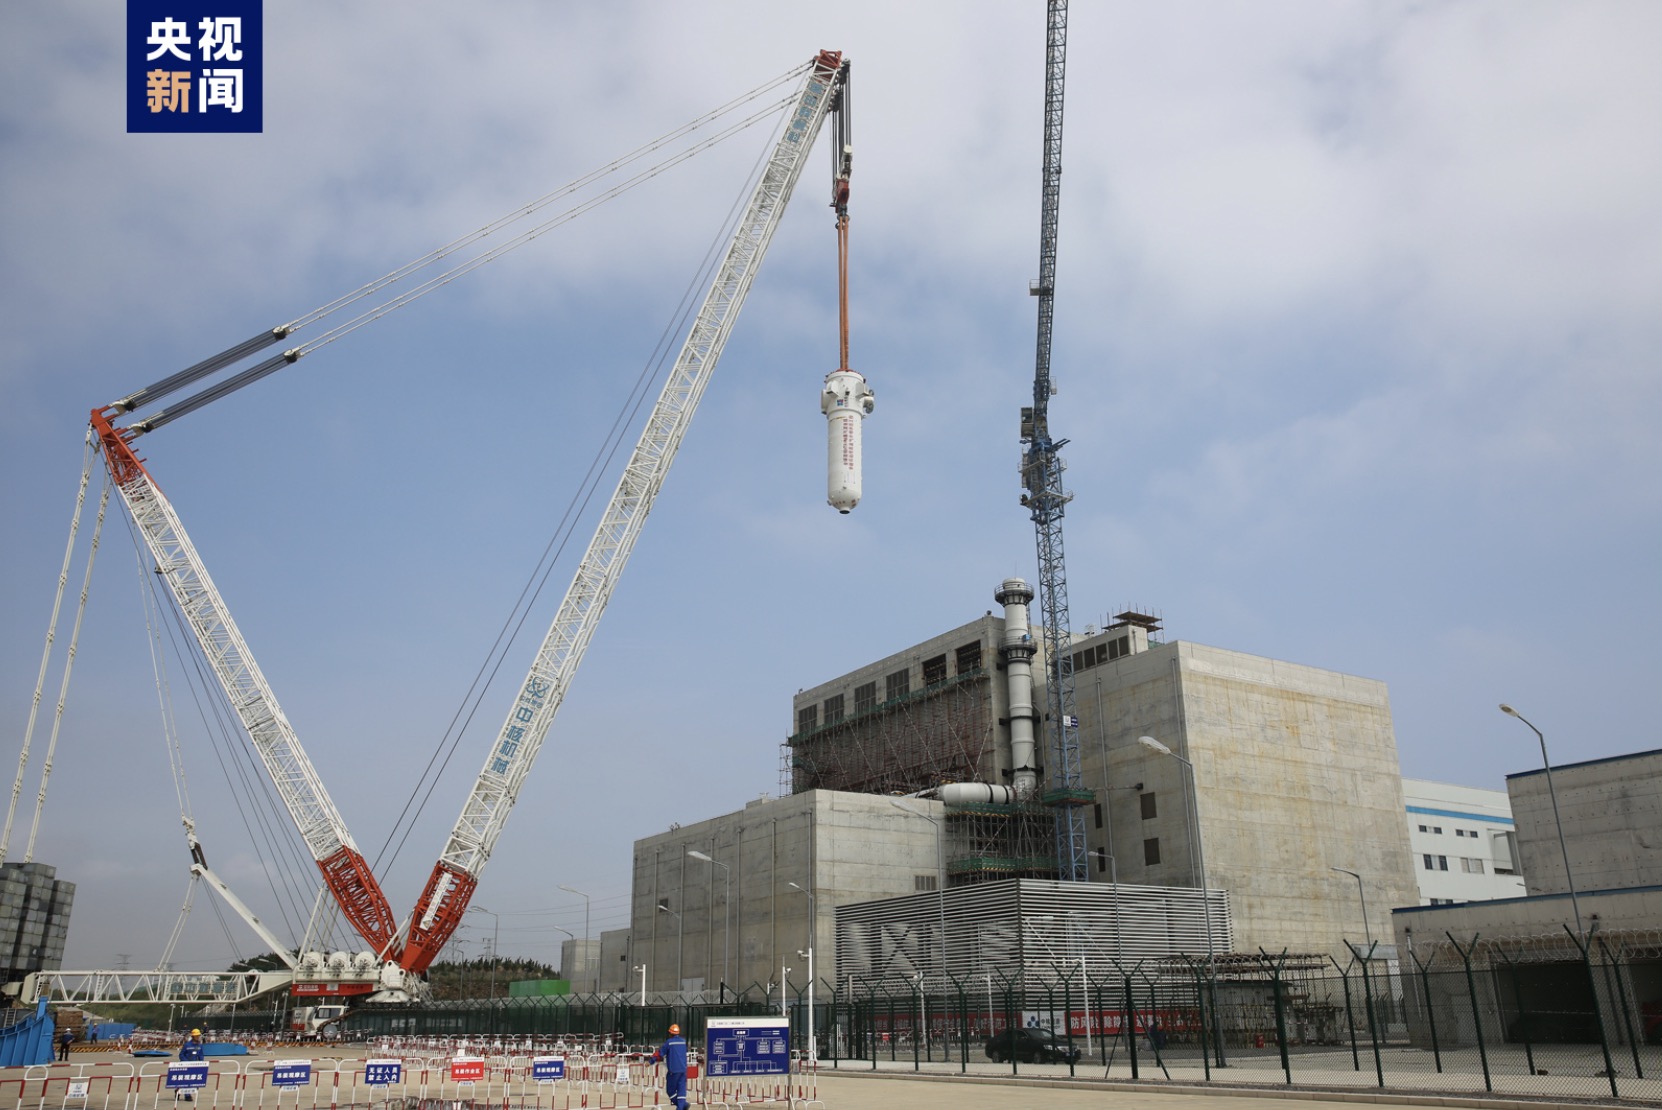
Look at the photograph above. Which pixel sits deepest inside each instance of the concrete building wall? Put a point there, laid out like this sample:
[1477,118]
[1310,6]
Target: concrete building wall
[1462,842]
[837,847]
[1295,773]
[1612,815]
[616,971]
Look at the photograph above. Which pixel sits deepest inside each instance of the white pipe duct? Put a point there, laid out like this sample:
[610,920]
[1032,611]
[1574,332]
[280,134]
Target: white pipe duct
[1018,650]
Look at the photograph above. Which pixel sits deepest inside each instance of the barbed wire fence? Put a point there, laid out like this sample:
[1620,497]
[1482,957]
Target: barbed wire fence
[1550,1015]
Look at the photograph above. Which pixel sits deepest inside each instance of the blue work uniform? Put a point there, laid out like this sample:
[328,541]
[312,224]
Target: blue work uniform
[674,1055]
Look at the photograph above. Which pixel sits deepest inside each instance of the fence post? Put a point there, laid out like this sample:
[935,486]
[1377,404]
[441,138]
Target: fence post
[1477,1014]
[1350,1016]
[1430,1009]
[1627,1014]
[1373,1018]
[1200,1003]
[1280,1011]
[1585,948]
[1130,1024]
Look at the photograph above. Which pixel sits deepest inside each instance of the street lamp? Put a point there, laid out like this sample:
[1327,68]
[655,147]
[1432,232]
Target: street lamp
[496,931]
[642,969]
[813,919]
[1575,904]
[1199,850]
[568,933]
[727,913]
[940,879]
[680,932]
[588,957]
[1367,930]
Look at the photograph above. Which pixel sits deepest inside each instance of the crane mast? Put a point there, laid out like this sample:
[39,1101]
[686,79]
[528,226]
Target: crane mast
[451,885]
[1045,497]
[181,568]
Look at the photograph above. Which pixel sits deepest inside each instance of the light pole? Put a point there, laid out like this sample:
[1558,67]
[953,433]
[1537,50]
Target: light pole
[1367,930]
[1199,850]
[496,932]
[588,957]
[642,969]
[573,936]
[1575,904]
[727,913]
[813,919]
[940,879]
[679,933]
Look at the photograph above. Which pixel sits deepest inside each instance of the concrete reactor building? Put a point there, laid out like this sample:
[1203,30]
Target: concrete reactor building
[916,780]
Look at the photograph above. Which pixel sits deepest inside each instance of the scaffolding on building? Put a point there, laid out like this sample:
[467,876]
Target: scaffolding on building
[921,739]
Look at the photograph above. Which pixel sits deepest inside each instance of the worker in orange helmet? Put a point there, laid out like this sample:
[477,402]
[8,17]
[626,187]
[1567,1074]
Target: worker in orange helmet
[673,1052]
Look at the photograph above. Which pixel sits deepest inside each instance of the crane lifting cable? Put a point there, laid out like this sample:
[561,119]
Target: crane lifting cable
[155,392]
[587,489]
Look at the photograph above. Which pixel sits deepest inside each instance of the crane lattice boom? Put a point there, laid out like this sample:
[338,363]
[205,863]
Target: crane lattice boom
[250,696]
[452,882]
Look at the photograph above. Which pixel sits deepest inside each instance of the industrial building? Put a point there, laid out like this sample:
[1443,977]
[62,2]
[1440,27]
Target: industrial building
[1260,781]
[1601,818]
[1463,843]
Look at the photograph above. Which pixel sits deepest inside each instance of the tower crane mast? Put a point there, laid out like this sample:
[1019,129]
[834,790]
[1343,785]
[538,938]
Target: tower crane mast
[1045,497]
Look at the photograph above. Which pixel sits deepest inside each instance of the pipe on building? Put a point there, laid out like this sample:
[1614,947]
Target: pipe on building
[1017,650]
[968,793]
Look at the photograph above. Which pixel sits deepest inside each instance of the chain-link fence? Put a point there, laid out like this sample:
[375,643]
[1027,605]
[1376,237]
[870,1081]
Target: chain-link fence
[1548,1016]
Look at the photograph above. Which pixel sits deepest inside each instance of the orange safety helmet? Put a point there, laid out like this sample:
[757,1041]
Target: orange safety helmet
[675,1030]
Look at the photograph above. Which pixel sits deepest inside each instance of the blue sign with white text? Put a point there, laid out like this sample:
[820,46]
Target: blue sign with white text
[189,1076]
[291,1073]
[194,66]
[383,1073]
[547,1068]
[747,1046]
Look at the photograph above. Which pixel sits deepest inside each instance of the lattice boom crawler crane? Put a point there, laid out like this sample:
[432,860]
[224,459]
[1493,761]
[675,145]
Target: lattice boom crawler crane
[401,954]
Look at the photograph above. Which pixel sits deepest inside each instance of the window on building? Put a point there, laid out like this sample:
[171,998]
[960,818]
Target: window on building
[934,670]
[1442,863]
[1459,832]
[1098,808]
[833,709]
[924,883]
[807,718]
[1151,851]
[1424,829]
[1472,866]
[1437,829]
[969,658]
[897,685]
[1429,865]
[865,697]
[1149,810]
[1101,861]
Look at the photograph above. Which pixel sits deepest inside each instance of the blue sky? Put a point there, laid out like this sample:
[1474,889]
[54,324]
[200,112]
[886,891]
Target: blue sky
[1357,331]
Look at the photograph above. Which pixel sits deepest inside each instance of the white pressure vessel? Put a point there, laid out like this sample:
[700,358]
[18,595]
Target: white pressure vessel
[846,401]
